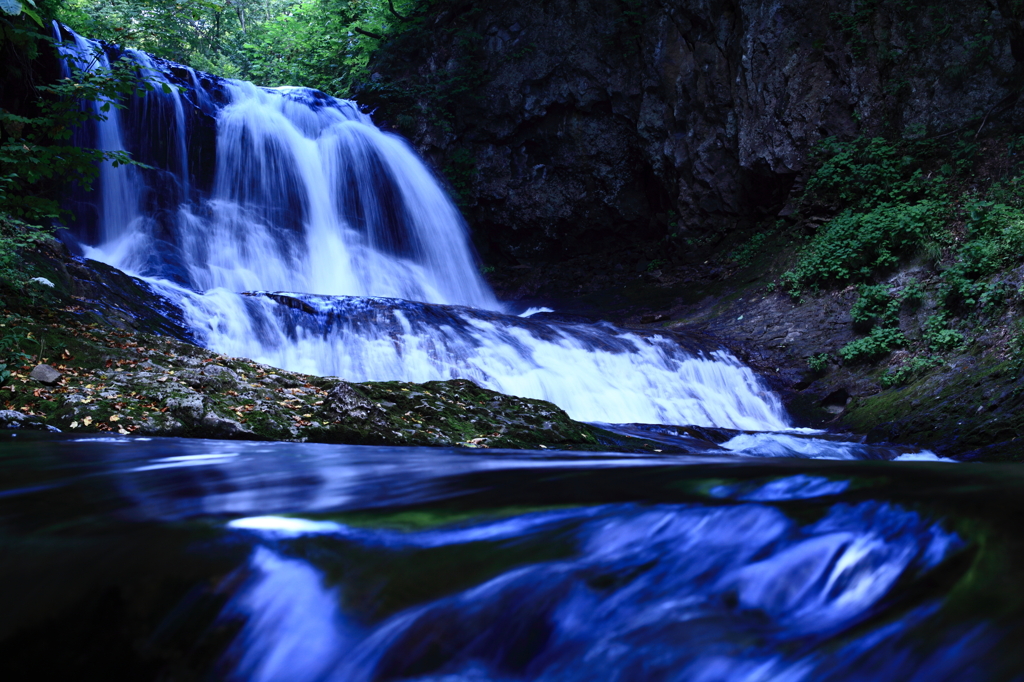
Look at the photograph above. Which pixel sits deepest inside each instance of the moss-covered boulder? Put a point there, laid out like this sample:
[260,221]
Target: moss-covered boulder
[133,383]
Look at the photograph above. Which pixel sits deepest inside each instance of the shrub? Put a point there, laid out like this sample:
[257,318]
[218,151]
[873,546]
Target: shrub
[856,245]
[879,341]
[819,363]
[938,337]
[874,306]
[994,240]
[11,339]
[867,172]
[911,370]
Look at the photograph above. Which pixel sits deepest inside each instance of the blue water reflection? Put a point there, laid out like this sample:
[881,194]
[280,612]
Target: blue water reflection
[268,562]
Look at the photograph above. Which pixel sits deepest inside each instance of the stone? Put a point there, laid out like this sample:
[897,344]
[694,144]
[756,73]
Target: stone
[12,419]
[349,403]
[215,426]
[189,408]
[45,374]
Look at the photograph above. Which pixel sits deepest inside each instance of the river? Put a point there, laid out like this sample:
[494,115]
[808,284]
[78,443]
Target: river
[187,559]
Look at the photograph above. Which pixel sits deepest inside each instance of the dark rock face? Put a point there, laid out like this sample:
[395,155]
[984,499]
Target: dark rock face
[571,124]
[103,294]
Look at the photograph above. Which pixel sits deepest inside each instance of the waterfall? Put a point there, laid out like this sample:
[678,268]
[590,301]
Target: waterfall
[255,189]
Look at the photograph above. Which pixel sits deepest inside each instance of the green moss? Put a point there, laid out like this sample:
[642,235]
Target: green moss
[109,385]
[966,408]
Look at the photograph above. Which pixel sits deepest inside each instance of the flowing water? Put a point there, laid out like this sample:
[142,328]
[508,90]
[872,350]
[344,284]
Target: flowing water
[171,559]
[289,229]
[288,190]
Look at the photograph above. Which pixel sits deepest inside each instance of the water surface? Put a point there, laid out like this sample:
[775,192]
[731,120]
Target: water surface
[174,559]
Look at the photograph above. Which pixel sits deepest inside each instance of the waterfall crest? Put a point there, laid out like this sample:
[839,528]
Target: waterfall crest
[255,189]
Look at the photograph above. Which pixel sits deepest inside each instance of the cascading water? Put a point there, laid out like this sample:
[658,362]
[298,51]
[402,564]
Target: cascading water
[307,195]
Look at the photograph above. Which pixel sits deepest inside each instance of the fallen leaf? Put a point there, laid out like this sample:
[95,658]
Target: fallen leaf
[87,421]
[114,418]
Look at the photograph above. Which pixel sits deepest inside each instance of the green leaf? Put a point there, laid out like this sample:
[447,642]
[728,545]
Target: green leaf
[32,14]
[11,7]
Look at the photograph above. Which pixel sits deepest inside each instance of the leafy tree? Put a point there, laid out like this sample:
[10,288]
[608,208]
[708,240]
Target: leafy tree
[324,44]
[36,154]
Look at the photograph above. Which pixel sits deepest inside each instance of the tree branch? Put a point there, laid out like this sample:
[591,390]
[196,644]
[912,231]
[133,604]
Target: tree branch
[391,6]
[368,34]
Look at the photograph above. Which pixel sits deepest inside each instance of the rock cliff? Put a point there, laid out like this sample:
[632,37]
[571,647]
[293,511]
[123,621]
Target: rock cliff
[570,125]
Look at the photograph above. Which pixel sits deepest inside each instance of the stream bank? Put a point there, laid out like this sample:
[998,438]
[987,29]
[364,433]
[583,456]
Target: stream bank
[966,403]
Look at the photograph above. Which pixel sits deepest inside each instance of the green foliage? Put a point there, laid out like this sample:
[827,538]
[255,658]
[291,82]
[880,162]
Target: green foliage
[879,342]
[324,44]
[877,310]
[1016,345]
[752,250]
[994,240]
[36,149]
[819,363]
[937,335]
[875,305]
[922,24]
[461,173]
[629,25]
[893,200]
[440,94]
[12,336]
[189,31]
[867,172]
[856,245]
[910,370]
[913,293]
[37,160]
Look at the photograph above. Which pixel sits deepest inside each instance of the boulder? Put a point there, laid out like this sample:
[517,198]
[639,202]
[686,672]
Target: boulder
[45,374]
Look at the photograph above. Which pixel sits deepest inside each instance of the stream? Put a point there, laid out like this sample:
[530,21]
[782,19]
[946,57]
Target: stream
[188,559]
[287,228]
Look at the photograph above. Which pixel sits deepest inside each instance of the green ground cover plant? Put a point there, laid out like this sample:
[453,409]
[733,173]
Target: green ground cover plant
[899,201]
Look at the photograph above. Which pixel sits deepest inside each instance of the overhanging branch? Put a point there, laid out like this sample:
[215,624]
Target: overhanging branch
[368,34]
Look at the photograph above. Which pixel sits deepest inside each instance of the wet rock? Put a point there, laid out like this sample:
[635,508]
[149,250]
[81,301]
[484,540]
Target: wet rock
[119,393]
[211,378]
[11,419]
[348,403]
[190,408]
[45,374]
[214,426]
[106,295]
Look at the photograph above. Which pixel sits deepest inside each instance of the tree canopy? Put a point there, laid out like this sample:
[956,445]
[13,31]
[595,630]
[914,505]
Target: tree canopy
[324,44]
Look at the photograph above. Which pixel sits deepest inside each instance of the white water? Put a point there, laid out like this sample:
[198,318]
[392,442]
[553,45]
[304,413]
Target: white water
[309,196]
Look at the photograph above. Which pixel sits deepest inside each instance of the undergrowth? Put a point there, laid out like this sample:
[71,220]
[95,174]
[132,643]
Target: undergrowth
[894,202]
